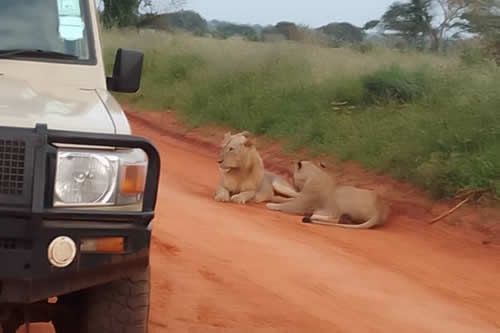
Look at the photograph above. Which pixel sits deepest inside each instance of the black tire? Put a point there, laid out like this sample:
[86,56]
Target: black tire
[70,319]
[120,306]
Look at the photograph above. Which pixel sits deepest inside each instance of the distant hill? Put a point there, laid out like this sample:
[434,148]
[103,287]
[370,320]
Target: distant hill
[337,32]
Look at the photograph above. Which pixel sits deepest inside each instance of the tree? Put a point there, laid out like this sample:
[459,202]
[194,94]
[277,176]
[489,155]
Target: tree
[343,32]
[187,20]
[227,29]
[452,12]
[418,21]
[287,29]
[371,24]
[123,13]
[155,7]
[119,12]
[411,21]
[483,17]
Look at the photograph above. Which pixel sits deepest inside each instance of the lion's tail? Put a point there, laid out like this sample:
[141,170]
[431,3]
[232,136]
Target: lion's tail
[377,219]
[373,221]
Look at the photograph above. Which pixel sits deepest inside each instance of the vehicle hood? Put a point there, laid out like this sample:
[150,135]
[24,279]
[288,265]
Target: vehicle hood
[60,107]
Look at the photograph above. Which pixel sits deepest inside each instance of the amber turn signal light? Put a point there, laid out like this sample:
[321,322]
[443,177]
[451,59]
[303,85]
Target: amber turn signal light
[102,244]
[132,179]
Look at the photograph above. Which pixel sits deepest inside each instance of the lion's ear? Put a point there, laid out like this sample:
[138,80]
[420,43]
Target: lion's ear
[225,140]
[249,142]
[246,134]
[299,165]
[323,165]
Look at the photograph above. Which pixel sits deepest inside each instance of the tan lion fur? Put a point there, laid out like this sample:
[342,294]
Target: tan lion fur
[321,200]
[243,177]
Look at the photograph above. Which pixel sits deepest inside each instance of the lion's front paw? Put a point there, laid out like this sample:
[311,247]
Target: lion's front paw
[221,196]
[238,198]
[272,206]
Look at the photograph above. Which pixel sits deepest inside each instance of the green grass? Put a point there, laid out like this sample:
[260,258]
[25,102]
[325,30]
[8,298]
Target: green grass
[433,121]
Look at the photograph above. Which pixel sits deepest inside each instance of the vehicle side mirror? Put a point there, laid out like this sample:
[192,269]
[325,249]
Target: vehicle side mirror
[127,71]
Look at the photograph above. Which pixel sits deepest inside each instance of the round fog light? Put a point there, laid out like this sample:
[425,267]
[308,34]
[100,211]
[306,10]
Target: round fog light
[61,251]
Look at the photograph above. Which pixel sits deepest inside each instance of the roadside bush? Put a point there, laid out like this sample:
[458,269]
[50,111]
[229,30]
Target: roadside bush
[395,83]
[473,56]
[363,47]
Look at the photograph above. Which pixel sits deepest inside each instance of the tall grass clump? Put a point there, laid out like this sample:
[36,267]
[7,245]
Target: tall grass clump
[430,120]
[395,84]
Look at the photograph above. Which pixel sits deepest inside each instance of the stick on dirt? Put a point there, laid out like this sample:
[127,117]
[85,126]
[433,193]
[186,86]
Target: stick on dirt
[442,216]
[474,192]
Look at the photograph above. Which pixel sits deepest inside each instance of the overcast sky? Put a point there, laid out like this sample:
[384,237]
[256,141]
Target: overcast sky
[314,13]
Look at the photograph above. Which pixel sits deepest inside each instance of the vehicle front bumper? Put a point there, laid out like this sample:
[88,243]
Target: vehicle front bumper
[28,223]
[27,276]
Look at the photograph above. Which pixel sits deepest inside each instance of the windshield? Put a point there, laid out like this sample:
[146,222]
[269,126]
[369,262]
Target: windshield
[51,27]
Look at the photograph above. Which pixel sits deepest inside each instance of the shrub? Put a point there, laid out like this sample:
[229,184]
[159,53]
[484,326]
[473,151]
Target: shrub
[363,47]
[473,56]
[395,83]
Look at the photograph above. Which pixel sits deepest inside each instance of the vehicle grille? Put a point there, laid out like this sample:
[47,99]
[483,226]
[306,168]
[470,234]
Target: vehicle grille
[15,244]
[12,154]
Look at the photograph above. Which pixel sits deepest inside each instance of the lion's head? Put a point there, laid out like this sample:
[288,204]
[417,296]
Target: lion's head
[305,171]
[237,151]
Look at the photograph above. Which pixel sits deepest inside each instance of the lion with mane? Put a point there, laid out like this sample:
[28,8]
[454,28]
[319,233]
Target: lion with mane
[243,177]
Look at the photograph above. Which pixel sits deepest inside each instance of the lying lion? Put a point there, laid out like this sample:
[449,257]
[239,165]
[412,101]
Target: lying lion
[242,174]
[321,200]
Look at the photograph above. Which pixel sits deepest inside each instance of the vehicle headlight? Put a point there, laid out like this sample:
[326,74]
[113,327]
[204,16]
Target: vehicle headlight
[99,178]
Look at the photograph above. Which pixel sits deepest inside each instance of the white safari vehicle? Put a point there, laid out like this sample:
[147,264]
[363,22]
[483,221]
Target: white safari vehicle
[77,190]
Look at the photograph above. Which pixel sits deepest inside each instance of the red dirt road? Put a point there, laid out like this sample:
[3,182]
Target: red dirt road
[220,267]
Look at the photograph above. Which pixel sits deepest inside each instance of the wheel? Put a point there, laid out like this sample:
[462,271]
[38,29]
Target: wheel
[120,306]
[5,328]
[70,317]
